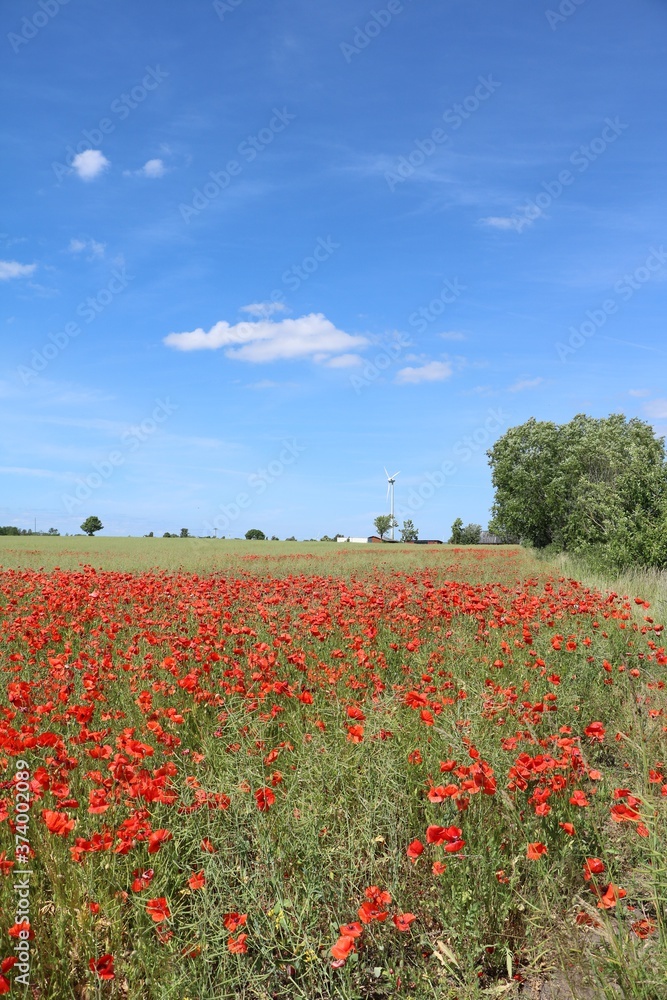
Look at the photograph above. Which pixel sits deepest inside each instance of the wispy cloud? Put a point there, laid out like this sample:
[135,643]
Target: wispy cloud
[501,222]
[526,383]
[12,269]
[433,371]
[92,247]
[657,409]
[639,393]
[312,336]
[263,310]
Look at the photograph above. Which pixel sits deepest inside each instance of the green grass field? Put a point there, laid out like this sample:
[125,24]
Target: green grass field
[207,555]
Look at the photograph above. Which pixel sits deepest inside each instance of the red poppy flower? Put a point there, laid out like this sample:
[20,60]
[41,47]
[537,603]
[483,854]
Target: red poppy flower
[103,966]
[578,798]
[644,928]
[264,798]
[448,836]
[197,881]
[142,879]
[207,846]
[438,867]
[593,866]
[569,829]
[158,909]
[57,822]
[343,948]
[595,731]
[415,848]
[536,850]
[233,921]
[402,921]
[611,896]
[353,930]
[156,839]
[238,945]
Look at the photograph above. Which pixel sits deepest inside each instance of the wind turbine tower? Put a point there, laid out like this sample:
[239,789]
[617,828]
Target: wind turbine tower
[390,496]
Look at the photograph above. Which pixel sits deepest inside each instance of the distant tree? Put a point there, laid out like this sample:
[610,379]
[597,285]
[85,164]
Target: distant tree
[383,522]
[255,534]
[168,534]
[149,535]
[457,532]
[274,538]
[291,539]
[9,530]
[471,534]
[53,531]
[325,538]
[185,533]
[468,535]
[91,525]
[408,532]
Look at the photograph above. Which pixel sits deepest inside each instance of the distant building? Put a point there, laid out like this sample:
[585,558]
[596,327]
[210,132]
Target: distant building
[486,538]
[360,541]
[426,541]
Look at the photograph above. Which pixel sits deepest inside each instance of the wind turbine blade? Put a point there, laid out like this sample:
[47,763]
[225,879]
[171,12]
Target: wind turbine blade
[395,474]
[386,473]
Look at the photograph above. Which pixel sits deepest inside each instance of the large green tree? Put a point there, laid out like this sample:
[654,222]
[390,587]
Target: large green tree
[589,482]
[91,525]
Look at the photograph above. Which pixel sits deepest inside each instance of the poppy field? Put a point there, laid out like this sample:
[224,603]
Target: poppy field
[441,776]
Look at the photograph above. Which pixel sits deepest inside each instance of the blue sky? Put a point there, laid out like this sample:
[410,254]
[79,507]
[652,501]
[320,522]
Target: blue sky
[253,253]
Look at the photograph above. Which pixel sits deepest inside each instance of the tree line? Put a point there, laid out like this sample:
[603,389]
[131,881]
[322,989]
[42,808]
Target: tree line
[596,487]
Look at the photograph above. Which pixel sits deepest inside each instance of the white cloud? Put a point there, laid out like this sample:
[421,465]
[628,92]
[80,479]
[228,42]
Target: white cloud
[12,269]
[526,383]
[265,340]
[153,168]
[90,164]
[434,371]
[345,361]
[639,393]
[657,409]
[502,222]
[262,310]
[94,248]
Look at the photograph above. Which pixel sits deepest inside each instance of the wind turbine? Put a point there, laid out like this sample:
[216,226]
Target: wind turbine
[390,495]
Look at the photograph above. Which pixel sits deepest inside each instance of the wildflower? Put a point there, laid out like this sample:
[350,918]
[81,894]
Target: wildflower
[402,921]
[158,909]
[103,966]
